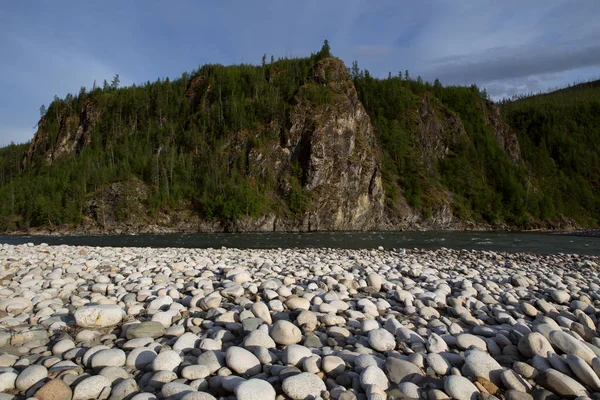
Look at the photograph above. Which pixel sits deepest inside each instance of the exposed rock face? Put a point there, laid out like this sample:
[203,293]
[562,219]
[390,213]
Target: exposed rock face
[197,88]
[73,135]
[37,145]
[118,202]
[328,148]
[506,137]
[335,145]
[438,129]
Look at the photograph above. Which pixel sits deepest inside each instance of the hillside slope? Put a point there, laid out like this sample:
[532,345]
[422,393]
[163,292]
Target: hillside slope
[301,144]
[286,146]
[559,133]
[449,160]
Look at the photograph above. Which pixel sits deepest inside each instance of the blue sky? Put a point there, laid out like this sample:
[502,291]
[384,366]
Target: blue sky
[510,47]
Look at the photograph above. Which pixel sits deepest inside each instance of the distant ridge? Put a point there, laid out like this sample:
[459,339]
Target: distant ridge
[583,86]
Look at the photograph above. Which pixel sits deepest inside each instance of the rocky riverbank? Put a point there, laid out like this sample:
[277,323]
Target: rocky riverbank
[586,233]
[79,323]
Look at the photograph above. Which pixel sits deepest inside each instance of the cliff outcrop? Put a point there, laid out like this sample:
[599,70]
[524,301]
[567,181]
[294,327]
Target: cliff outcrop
[335,145]
[295,145]
[330,149]
[506,136]
[437,127]
[74,133]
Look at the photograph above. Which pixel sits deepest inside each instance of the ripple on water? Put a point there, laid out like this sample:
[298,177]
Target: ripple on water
[505,241]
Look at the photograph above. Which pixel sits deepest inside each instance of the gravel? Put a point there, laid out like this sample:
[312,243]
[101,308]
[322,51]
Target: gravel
[79,323]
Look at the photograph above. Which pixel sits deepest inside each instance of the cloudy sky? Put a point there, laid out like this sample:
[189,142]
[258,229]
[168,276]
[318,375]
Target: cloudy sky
[510,47]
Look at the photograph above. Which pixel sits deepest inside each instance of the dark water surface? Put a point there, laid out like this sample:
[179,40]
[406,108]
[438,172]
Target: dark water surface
[496,241]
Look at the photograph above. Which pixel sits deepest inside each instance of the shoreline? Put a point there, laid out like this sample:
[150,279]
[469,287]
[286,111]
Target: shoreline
[270,225]
[500,241]
[190,323]
[174,231]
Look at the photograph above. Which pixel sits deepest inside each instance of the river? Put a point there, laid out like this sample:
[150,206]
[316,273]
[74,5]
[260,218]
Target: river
[541,243]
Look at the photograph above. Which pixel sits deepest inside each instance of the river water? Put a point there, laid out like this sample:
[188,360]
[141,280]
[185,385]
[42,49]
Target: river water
[495,241]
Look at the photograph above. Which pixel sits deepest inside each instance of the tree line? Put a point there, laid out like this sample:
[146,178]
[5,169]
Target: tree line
[188,140]
[175,136]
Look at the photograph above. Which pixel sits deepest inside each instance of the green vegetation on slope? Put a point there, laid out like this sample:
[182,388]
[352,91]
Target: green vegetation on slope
[559,134]
[485,186]
[186,144]
[186,139]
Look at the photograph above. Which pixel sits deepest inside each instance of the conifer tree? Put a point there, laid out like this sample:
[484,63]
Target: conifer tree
[325,50]
[115,82]
[354,71]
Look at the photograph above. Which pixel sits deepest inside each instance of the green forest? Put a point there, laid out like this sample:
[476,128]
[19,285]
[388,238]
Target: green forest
[173,135]
[487,186]
[559,135]
[185,143]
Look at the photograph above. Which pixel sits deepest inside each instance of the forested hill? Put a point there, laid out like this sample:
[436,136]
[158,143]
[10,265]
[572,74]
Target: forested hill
[559,135]
[303,144]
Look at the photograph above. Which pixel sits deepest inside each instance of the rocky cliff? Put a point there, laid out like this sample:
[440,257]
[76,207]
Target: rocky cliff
[335,145]
[437,129]
[74,133]
[506,136]
[328,142]
[285,147]
[331,146]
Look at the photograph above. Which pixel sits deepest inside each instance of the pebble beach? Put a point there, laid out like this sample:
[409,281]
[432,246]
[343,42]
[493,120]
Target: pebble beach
[83,323]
